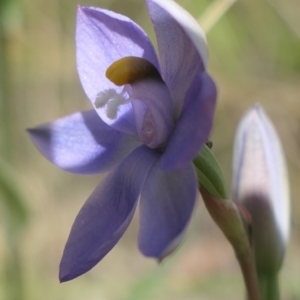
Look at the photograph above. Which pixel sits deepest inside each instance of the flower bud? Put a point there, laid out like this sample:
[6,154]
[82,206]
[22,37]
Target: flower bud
[260,184]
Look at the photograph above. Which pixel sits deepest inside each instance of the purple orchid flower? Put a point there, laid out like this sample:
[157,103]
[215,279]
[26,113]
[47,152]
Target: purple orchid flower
[150,119]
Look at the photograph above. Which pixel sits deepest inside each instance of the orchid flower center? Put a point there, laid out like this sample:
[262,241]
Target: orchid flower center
[124,72]
[142,86]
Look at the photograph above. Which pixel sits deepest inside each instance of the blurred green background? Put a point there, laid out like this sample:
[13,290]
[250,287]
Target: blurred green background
[254,57]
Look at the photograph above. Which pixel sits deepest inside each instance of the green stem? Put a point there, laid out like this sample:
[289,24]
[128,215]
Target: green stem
[227,216]
[248,269]
[269,286]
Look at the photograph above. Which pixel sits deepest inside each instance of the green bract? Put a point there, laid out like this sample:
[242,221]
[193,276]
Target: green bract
[209,173]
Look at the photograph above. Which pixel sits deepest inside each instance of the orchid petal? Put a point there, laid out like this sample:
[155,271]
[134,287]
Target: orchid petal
[181,44]
[260,183]
[102,37]
[166,205]
[152,103]
[106,214]
[194,125]
[82,143]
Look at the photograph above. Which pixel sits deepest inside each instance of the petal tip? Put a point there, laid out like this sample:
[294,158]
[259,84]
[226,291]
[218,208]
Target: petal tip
[65,277]
[161,254]
[151,253]
[82,8]
[36,133]
[30,131]
[256,108]
[85,11]
[67,273]
[188,24]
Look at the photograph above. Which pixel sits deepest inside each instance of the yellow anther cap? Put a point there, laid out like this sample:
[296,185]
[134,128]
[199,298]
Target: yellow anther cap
[130,69]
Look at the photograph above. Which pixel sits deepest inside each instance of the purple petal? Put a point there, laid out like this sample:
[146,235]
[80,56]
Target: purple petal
[152,106]
[181,44]
[82,143]
[167,203]
[194,125]
[102,37]
[106,214]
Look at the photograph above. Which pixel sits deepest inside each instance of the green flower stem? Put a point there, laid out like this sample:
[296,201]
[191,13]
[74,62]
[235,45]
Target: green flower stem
[269,287]
[250,277]
[227,216]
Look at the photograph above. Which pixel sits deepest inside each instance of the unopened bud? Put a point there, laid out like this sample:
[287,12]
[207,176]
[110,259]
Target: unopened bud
[260,184]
